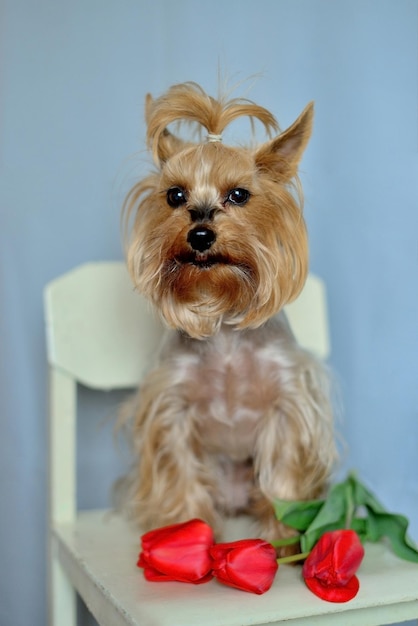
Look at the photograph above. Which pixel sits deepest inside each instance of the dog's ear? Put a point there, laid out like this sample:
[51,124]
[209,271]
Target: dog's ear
[280,157]
[167,143]
[148,107]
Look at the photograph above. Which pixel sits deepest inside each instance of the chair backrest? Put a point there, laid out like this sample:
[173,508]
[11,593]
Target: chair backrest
[98,329]
[102,334]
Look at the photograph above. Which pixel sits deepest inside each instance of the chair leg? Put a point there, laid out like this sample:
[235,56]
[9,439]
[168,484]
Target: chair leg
[62,597]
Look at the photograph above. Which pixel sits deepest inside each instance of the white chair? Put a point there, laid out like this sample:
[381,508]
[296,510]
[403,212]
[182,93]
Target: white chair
[101,334]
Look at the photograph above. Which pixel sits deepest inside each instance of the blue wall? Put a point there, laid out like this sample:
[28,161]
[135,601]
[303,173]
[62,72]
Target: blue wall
[73,79]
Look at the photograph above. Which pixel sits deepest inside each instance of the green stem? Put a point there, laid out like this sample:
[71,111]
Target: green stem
[350,506]
[292,558]
[286,542]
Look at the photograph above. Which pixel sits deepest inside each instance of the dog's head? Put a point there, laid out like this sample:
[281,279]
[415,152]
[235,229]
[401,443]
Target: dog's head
[218,235]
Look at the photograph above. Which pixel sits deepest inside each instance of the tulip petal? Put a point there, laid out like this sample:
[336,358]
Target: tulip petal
[335,558]
[248,564]
[342,593]
[329,570]
[179,552]
[153,575]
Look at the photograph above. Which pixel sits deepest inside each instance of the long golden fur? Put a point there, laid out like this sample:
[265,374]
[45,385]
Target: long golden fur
[235,414]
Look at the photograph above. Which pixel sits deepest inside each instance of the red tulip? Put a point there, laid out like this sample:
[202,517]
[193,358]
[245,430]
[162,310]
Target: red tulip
[329,571]
[249,564]
[178,552]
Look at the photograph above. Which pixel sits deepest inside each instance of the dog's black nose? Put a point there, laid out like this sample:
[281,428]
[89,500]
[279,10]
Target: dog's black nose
[201,238]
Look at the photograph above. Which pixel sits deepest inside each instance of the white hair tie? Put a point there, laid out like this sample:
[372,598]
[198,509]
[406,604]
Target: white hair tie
[211,138]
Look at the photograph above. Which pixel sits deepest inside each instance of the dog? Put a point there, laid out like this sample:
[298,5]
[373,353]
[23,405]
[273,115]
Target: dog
[235,414]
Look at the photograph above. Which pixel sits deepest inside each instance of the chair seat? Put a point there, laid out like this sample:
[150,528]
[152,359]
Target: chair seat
[99,553]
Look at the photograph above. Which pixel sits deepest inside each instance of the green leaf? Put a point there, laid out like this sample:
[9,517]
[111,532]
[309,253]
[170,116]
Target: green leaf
[360,525]
[349,504]
[381,524]
[297,514]
[363,496]
[336,513]
[394,528]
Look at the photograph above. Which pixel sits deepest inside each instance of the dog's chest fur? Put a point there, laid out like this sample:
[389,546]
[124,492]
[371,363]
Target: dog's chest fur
[230,384]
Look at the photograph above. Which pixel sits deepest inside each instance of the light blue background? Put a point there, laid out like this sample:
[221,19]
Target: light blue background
[73,78]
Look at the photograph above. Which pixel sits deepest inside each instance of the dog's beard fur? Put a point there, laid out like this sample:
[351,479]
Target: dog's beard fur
[228,420]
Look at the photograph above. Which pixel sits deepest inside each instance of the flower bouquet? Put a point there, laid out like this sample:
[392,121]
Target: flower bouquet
[331,535]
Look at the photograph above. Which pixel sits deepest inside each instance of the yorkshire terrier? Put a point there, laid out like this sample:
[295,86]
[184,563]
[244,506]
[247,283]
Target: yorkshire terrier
[235,414]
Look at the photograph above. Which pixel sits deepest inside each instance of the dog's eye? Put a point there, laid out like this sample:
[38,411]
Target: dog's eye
[238,196]
[176,196]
